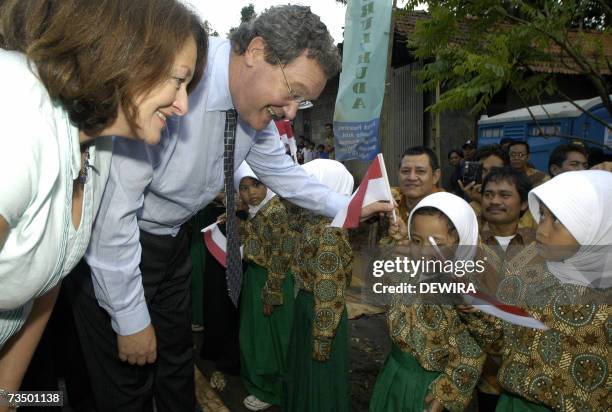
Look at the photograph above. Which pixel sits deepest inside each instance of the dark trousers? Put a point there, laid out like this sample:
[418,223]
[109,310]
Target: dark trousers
[221,317]
[59,354]
[169,382]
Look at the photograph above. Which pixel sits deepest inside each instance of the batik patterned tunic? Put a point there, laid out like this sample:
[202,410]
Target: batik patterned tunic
[269,242]
[567,367]
[322,265]
[436,336]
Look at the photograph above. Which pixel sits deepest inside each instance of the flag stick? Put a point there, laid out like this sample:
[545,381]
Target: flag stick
[384,172]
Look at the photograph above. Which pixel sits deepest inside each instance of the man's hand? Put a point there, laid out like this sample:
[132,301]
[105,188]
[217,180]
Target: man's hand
[472,191]
[432,404]
[374,208]
[139,348]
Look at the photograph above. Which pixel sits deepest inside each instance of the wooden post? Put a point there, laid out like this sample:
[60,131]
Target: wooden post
[437,135]
[385,130]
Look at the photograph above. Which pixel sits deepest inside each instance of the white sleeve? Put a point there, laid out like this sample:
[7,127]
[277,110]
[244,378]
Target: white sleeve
[289,180]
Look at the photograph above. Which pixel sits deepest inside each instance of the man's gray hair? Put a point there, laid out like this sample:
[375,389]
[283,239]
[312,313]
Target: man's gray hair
[288,31]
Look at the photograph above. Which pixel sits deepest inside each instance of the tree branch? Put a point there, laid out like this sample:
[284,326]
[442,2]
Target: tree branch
[589,71]
[606,6]
[561,135]
[540,131]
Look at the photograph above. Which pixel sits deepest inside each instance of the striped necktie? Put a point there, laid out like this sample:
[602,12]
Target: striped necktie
[234,261]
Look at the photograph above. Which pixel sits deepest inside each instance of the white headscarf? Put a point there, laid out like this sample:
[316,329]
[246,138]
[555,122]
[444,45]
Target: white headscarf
[582,201]
[245,171]
[461,214]
[332,174]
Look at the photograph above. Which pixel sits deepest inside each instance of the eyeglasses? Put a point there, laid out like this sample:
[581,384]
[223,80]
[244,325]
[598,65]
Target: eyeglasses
[301,101]
[517,155]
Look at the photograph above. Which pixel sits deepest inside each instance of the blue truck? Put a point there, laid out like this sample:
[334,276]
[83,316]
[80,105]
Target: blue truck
[554,119]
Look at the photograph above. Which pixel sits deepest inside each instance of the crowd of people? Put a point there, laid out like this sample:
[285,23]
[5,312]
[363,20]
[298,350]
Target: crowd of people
[109,147]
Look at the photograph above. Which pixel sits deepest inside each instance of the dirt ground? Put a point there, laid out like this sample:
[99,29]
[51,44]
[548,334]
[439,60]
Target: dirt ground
[369,345]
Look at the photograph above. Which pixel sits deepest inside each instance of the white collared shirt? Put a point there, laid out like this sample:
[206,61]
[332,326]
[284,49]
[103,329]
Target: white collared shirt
[157,189]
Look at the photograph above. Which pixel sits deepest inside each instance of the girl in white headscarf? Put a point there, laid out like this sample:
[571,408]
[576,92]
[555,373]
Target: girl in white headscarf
[581,218]
[567,366]
[318,376]
[266,306]
[434,362]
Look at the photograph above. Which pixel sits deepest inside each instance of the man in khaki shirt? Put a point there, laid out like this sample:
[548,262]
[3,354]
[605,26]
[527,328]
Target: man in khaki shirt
[419,176]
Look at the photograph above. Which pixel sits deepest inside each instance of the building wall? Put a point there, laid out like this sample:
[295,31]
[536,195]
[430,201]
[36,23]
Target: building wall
[311,122]
[456,127]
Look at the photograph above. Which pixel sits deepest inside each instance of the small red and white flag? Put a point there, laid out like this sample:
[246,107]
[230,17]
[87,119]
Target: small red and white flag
[216,243]
[492,306]
[509,313]
[286,134]
[373,188]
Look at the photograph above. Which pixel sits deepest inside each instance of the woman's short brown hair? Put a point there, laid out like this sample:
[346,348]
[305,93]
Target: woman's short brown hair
[93,56]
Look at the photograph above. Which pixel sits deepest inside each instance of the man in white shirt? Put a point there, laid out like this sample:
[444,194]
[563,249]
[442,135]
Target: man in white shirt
[137,309]
[504,200]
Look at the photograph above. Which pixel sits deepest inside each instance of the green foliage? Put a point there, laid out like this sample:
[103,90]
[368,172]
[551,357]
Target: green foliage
[209,29]
[475,48]
[246,14]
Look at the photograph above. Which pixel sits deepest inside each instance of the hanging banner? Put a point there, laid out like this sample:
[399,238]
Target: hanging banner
[362,81]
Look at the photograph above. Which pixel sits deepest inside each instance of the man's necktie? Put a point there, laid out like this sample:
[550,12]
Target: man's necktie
[234,261]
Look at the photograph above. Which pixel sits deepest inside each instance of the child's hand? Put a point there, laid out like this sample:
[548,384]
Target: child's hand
[240,205]
[321,349]
[603,166]
[432,404]
[221,218]
[398,230]
[268,309]
[467,308]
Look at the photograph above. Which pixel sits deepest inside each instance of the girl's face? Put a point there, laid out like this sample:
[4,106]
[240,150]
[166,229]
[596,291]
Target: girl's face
[554,241]
[252,192]
[436,226]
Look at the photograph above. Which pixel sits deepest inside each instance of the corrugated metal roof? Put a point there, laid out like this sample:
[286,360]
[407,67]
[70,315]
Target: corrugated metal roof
[547,111]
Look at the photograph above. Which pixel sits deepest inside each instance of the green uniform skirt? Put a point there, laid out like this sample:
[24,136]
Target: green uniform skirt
[314,386]
[264,339]
[402,384]
[511,403]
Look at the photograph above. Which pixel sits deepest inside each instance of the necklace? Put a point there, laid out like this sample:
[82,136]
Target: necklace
[82,178]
